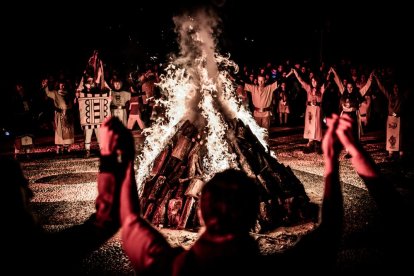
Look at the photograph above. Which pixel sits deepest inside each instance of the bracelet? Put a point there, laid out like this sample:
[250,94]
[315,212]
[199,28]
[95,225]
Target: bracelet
[108,163]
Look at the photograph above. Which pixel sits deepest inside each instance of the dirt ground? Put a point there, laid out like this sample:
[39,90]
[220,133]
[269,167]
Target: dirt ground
[65,190]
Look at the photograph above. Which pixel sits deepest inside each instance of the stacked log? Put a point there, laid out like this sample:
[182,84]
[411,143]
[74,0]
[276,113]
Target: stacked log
[171,194]
[283,197]
[166,199]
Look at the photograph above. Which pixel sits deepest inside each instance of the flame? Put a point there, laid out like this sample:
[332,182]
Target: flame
[194,88]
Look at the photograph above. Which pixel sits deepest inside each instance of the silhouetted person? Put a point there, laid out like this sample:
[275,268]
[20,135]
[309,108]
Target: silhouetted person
[228,210]
[393,143]
[396,238]
[28,249]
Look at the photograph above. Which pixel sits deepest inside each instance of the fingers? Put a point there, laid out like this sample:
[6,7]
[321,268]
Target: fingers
[116,138]
[331,122]
[345,123]
[330,139]
[344,131]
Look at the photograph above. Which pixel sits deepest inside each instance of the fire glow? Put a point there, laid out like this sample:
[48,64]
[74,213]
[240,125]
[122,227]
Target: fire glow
[195,89]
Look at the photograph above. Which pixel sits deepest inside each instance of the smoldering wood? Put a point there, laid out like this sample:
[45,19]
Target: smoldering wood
[194,188]
[149,211]
[194,218]
[189,203]
[182,148]
[286,198]
[170,163]
[174,211]
[176,174]
[147,203]
[158,187]
[172,194]
[160,161]
[160,215]
[169,188]
[243,160]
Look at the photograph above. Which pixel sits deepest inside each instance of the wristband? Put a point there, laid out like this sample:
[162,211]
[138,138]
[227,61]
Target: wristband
[108,163]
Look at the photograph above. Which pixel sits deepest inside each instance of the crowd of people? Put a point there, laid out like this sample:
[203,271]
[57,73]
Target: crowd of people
[228,211]
[334,104]
[288,94]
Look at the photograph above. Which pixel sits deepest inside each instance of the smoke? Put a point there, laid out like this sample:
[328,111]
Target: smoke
[196,38]
[197,86]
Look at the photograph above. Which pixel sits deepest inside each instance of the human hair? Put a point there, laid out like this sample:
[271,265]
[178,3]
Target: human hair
[229,203]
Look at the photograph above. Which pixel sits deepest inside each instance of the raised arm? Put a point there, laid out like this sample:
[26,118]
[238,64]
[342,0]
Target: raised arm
[380,86]
[384,194]
[49,93]
[337,80]
[305,85]
[332,203]
[318,249]
[361,162]
[146,248]
[74,243]
[365,88]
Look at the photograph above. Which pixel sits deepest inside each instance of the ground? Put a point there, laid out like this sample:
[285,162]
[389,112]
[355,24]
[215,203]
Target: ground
[65,190]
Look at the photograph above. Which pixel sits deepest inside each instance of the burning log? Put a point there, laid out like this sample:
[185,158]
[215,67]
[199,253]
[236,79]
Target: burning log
[152,197]
[192,194]
[160,214]
[286,197]
[170,196]
[171,164]
[173,213]
[194,188]
[159,162]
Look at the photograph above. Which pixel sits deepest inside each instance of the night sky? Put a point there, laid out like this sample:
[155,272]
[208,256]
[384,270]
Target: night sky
[45,38]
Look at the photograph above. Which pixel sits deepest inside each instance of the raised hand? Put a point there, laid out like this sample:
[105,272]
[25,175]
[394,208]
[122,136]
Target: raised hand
[344,131]
[116,139]
[330,140]
[44,83]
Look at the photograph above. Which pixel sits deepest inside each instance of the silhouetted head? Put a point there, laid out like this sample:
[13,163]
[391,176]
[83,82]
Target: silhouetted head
[229,203]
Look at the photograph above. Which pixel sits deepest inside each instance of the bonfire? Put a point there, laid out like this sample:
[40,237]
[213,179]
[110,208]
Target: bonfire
[205,129]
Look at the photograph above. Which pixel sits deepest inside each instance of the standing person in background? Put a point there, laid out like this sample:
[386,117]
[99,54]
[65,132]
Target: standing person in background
[283,108]
[365,106]
[262,100]
[21,120]
[394,126]
[135,106]
[64,118]
[21,110]
[242,95]
[351,98]
[93,95]
[150,94]
[313,120]
[119,100]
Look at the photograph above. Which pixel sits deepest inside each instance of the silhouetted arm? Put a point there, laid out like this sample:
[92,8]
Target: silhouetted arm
[381,86]
[318,249]
[146,248]
[363,90]
[76,242]
[337,80]
[387,198]
[305,85]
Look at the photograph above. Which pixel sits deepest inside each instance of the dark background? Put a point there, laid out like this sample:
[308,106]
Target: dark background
[39,38]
